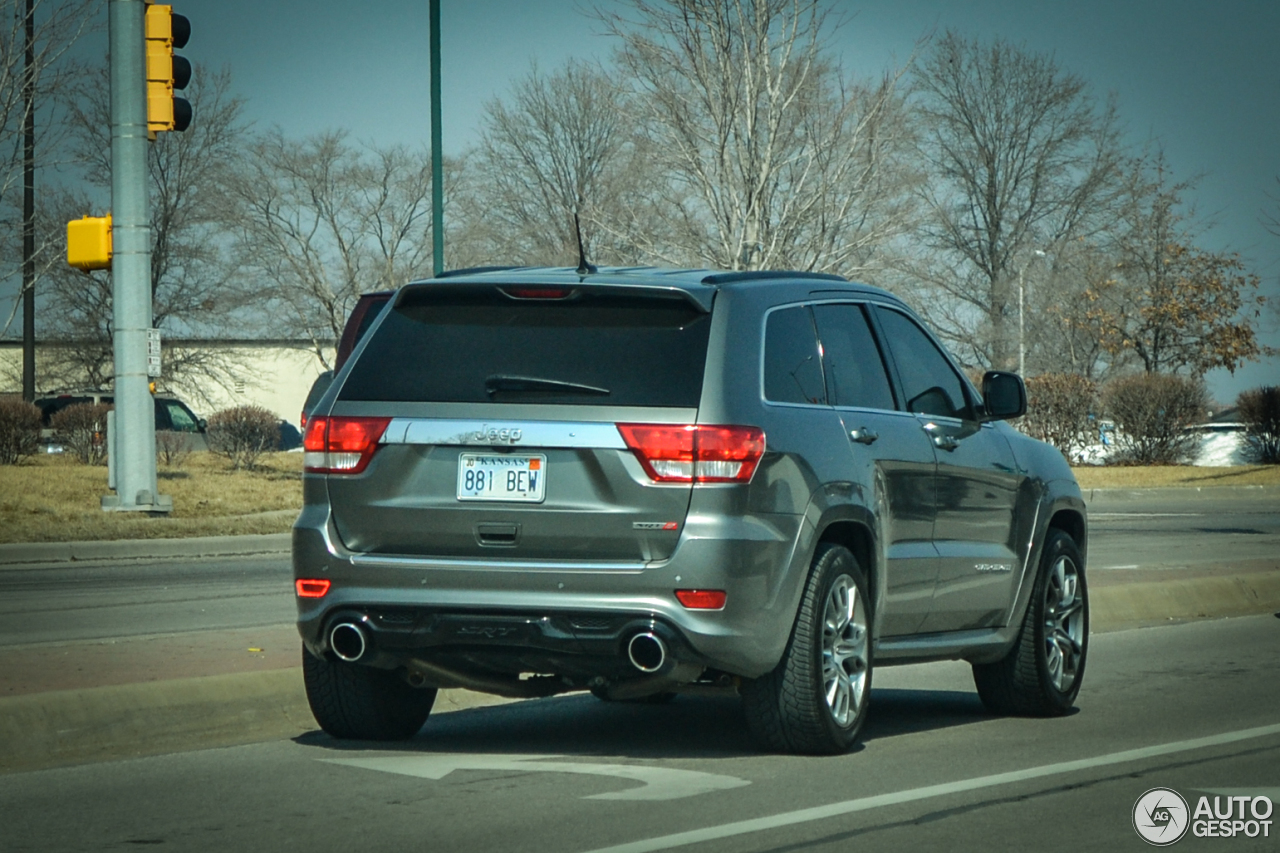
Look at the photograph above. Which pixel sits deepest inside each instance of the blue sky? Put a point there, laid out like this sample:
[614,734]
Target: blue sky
[1201,79]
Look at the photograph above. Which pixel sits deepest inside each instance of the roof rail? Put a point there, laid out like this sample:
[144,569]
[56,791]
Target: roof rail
[475,271]
[760,275]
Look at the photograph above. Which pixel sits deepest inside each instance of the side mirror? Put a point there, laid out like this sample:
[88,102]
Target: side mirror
[202,424]
[1004,395]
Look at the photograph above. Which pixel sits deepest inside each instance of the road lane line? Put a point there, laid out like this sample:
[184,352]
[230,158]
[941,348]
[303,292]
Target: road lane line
[1094,515]
[729,830]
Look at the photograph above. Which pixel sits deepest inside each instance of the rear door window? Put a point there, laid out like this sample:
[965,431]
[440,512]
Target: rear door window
[481,345]
[850,358]
[792,362]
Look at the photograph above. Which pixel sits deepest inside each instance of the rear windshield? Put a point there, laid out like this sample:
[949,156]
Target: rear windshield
[479,345]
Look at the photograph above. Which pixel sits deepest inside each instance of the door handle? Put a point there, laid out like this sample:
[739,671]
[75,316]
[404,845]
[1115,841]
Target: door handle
[946,442]
[863,435]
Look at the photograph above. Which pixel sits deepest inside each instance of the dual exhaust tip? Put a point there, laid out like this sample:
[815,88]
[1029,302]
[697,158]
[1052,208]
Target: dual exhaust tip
[348,641]
[646,650]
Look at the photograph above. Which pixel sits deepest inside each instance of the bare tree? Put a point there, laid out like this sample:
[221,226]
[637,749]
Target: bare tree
[195,292]
[1020,157]
[1271,219]
[773,157]
[560,144]
[57,24]
[320,221]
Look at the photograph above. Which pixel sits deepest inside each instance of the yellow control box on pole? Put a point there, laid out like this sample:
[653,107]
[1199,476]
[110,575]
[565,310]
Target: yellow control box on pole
[89,243]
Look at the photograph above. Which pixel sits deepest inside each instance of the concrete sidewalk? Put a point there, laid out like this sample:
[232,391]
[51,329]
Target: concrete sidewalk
[193,547]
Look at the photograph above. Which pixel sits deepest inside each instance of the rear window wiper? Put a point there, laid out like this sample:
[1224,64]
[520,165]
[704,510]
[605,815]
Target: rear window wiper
[501,382]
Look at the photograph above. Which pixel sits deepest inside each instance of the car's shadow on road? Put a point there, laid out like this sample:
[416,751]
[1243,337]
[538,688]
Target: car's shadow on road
[686,727]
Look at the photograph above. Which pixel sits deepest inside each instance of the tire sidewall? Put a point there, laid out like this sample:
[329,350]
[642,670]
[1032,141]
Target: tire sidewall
[831,565]
[1059,545]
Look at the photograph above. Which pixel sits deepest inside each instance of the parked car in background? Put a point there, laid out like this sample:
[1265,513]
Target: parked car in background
[362,316]
[172,415]
[636,482]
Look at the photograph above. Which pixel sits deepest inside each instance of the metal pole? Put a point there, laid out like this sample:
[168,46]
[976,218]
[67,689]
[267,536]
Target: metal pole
[29,214]
[437,180]
[134,442]
[1022,345]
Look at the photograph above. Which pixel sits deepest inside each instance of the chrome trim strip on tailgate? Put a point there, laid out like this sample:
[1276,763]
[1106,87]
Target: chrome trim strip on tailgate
[462,564]
[502,433]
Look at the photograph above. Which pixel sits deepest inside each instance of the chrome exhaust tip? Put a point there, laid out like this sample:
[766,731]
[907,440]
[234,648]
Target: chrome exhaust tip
[647,652]
[348,641]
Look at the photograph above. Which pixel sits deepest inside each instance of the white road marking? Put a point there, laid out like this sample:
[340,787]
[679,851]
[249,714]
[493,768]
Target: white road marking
[744,827]
[1093,515]
[658,783]
[1272,794]
[1107,568]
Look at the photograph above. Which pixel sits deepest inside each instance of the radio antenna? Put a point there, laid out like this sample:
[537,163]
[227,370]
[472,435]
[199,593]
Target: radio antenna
[584,268]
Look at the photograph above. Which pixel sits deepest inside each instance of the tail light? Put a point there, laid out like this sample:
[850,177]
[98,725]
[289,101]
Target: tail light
[341,445]
[695,453]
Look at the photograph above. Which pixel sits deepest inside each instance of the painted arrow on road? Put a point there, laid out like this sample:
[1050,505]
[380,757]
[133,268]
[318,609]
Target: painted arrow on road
[658,783]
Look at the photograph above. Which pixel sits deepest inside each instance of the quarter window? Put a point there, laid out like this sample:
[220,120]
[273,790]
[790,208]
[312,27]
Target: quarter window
[792,362]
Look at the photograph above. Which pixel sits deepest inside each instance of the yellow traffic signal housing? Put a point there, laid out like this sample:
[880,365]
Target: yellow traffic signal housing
[166,72]
[89,243]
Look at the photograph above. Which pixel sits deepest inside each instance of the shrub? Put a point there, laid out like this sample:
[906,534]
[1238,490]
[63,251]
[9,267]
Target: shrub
[1152,412]
[172,448]
[243,434]
[19,431]
[82,430]
[1260,411]
[1060,410]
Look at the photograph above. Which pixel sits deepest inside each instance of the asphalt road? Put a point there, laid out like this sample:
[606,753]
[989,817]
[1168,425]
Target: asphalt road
[72,602]
[1193,707]
[68,602]
[1173,529]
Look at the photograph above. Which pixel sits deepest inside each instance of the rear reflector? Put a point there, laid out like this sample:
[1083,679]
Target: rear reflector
[695,453]
[701,599]
[341,445]
[312,587]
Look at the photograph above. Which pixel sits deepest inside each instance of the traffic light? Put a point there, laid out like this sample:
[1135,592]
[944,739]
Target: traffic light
[89,243]
[165,71]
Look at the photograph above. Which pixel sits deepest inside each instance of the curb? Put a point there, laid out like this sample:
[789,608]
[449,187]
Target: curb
[1127,494]
[1114,608]
[279,543]
[141,549]
[62,727]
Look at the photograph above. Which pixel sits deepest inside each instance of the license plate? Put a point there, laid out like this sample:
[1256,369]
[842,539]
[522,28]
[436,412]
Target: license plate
[492,477]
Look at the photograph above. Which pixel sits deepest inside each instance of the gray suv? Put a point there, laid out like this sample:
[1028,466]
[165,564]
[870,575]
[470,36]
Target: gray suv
[640,482]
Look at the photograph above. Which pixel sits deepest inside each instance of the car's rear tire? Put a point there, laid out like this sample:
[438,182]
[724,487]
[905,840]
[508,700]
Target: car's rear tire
[1041,674]
[354,702]
[815,700]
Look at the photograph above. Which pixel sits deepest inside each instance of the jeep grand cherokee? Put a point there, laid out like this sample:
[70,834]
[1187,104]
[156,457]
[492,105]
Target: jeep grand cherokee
[638,482]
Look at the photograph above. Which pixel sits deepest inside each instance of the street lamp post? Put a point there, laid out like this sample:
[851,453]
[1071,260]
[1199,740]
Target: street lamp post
[1022,326]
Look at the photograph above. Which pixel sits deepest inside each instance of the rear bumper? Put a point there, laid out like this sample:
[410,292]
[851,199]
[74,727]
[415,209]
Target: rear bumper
[576,616]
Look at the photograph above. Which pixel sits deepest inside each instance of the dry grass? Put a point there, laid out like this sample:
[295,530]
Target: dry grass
[1165,476]
[56,499]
